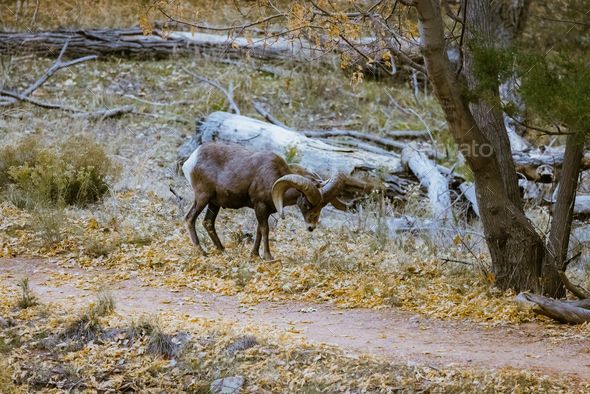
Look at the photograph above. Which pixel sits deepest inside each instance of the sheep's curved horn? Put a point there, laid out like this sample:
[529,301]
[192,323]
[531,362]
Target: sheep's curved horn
[332,188]
[300,170]
[299,182]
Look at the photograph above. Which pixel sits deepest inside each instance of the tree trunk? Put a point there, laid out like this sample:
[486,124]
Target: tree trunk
[516,249]
[561,223]
[485,25]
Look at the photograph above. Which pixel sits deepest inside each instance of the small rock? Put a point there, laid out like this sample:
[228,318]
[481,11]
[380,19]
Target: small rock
[4,323]
[242,343]
[229,385]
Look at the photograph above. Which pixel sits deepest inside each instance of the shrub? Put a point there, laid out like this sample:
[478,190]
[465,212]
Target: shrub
[76,172]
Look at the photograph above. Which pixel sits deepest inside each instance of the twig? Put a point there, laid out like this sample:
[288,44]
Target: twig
[268,116]
[224,28]
[408,134]
[227,92]
[450,12]
[383,141]
[157,103]
[106,113]
[36,102]
[444,260]
[58,65]
[413,112]
[171,118]
[544,131]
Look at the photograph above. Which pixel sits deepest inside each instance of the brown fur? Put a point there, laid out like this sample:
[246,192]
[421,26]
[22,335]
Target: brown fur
[230,176]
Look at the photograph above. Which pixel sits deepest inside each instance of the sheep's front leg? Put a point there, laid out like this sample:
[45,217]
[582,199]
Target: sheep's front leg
[262,214]
[256,246]
[191,218]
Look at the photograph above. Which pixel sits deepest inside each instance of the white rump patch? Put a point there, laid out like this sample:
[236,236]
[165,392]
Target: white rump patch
[190,164]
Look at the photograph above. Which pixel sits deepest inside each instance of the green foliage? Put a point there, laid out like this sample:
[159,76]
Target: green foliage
[556,89]
[292,154]
[75,172]
[491,65]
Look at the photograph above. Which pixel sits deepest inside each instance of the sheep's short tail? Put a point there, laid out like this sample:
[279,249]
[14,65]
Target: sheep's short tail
[189,165]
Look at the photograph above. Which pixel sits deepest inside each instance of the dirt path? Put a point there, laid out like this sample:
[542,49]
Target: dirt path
[391,333]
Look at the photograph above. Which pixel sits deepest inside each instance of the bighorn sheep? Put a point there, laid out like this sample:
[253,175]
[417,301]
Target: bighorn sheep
[230,176]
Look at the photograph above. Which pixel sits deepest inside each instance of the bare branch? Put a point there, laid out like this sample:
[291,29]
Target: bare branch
[58,65]
[220,28]
[450,12]
[383,141]
[544,131]
[227,92]
[268,116]
[394,46]
[106,113]
[36,102]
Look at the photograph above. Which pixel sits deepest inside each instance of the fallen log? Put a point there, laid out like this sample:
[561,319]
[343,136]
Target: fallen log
[432,180]
[408,134]
[582,206]
[564,311]
[132,42]
[468,190]
[368,171]
[538,164]
[383,141]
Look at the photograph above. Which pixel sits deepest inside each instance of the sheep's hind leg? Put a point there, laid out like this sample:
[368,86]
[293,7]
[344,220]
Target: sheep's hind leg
[209,224]
[191,219]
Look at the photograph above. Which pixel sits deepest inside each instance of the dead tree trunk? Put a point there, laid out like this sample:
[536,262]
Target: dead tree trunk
[132,42]
[564,311]
[367,170]
[431,179]
[561,222]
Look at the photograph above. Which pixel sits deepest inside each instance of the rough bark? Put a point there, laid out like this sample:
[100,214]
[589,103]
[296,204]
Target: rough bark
[561,222]
[564,311]
[516,249]
[485,24]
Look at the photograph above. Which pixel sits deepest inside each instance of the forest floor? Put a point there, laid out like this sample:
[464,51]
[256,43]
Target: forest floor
[392,333]
[344,309]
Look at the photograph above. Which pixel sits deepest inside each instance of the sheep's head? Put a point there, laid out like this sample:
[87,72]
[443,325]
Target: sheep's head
[314,196]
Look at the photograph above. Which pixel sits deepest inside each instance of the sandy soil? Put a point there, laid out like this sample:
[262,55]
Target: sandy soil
[390,333]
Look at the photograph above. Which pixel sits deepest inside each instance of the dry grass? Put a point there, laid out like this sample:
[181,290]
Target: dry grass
[273,361]
[26,299]
[86,326]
